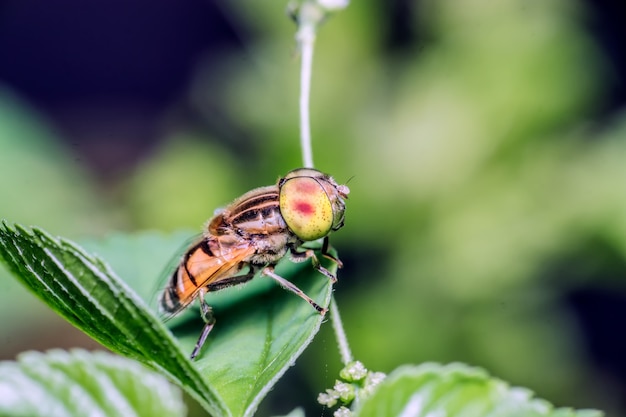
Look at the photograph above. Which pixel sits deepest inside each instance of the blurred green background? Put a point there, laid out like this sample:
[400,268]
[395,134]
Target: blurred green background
[485,144]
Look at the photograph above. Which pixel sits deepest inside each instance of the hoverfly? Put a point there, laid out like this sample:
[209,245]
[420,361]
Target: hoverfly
[252,234]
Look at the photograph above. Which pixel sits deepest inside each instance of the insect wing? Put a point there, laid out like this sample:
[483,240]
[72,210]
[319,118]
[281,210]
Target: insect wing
[171,263]
[206,263]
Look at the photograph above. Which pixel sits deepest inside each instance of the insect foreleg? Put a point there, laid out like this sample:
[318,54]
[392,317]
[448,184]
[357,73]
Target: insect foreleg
[269,271]
[297,256]
[326,254]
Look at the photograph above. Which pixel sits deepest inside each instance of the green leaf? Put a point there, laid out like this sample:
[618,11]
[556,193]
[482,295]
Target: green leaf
[87,293]
[455,390]
[260,330]
[79,383]
[259,339]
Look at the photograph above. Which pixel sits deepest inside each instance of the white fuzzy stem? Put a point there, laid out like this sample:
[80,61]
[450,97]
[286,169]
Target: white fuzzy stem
[306,40]
[340,334]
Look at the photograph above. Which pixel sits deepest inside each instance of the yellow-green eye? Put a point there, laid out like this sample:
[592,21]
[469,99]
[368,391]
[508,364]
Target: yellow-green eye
[306,208]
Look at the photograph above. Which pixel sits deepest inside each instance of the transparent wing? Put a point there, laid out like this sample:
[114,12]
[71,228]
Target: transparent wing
[170,264]
[206,263]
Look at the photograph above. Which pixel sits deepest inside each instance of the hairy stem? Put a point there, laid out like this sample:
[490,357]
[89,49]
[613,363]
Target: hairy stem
[306,40]
[340,334]
[309,14]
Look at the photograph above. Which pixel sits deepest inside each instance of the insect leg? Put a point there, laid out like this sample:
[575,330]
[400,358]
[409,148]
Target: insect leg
[229,282]
[297,256]
[327,255]
[205,309]
[269,271]
[209,322]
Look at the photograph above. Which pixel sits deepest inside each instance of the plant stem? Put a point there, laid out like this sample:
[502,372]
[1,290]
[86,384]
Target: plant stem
[306,40]
[340,334]
[309,15]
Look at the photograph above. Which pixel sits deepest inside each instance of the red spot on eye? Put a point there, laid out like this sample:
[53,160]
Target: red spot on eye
[303,208]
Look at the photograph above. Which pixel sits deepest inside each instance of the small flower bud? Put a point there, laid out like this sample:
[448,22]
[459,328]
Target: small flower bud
[342,412]
[354,371]
[324,398]
[345,391]
[371,381]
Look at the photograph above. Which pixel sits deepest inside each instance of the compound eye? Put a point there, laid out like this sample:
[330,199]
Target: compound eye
[306,208]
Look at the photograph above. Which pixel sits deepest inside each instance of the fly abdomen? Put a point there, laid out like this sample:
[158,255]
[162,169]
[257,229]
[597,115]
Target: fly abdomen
[170,301]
